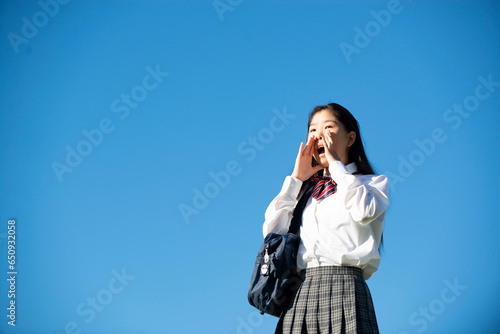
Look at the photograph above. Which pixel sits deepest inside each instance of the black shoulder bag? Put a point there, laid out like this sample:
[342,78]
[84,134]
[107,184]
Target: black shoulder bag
[274,277]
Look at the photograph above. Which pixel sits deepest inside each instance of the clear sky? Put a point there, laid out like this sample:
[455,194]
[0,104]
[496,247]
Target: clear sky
[143,140]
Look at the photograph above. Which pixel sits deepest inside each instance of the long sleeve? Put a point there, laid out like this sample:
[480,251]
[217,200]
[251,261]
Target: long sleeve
[343,229]
[279,213]
[364,201]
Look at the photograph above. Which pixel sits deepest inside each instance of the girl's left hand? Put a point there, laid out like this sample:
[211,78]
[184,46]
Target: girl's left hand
[330,153]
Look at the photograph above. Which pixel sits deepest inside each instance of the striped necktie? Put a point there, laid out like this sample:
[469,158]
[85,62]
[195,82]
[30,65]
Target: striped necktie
[325,187]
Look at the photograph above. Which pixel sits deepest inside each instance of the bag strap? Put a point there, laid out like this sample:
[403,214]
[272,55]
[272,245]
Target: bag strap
[299,209]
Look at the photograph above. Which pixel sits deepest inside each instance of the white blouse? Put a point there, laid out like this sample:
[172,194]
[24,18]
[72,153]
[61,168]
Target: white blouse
[342,229]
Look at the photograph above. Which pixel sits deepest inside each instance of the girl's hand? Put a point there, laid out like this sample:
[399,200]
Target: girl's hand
[330,153]
[303,164]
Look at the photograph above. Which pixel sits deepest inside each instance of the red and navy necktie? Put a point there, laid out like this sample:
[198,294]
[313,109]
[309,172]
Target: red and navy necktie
[324,188]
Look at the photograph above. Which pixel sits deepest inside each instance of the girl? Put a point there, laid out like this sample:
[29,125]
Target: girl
[341,227]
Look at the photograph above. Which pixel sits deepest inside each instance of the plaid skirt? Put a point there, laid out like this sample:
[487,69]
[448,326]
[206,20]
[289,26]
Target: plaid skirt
[330,300]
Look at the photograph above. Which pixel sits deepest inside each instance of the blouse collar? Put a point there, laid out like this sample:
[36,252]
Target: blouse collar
[352,168]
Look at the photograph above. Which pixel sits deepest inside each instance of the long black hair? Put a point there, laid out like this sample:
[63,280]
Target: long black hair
[356,151]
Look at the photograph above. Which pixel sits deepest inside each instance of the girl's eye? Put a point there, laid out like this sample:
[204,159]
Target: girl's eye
[312,130]
[328,127]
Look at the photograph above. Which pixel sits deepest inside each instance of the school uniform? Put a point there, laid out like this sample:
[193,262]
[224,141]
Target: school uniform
[339,240]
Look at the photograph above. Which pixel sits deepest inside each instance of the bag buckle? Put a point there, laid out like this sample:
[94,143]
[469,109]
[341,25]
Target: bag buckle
[264,270]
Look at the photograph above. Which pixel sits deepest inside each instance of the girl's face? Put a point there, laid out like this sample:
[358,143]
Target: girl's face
[324,123]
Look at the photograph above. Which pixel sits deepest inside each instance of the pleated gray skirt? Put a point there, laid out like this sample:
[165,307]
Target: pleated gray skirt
[330,300]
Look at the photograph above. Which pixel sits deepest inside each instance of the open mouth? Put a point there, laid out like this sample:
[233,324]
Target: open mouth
[321,150]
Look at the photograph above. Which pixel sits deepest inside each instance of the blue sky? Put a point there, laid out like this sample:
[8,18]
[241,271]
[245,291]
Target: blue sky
[143,141]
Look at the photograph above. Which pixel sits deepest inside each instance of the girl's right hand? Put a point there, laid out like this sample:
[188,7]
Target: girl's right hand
[303,164]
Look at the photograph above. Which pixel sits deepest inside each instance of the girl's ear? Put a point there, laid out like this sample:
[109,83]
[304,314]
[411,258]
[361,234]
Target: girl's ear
[351,138]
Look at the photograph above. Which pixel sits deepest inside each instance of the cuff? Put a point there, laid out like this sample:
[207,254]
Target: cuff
[291,186]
